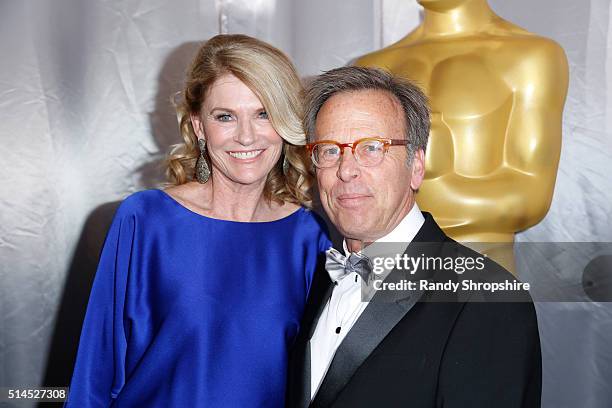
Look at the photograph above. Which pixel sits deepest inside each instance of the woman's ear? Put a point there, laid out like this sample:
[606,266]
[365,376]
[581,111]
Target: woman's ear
[198,127]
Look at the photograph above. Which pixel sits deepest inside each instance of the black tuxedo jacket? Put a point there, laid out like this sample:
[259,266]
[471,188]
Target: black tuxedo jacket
[415,352]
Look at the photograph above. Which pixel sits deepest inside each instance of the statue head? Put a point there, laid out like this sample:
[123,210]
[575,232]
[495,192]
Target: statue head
[446,5]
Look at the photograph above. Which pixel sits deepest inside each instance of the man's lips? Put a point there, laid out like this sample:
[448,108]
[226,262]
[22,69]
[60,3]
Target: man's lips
[352,199]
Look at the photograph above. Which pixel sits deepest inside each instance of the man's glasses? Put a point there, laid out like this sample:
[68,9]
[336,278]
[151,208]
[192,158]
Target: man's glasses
[368,152]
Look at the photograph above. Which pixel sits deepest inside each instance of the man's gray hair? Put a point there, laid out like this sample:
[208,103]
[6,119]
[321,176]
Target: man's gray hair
[413,101]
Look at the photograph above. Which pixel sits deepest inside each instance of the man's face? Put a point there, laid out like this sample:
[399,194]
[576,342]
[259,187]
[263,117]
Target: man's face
[366,203]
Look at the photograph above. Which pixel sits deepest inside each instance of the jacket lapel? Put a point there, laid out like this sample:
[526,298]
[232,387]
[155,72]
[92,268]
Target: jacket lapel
[374,324]
[376,321]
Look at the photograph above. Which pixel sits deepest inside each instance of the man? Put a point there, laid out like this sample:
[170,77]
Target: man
[423,348]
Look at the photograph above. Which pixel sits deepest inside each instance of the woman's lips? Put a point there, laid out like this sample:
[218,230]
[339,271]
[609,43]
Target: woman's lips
[246,156]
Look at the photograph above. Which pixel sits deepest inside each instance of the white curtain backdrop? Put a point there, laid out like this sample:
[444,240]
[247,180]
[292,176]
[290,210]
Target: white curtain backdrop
[85,118]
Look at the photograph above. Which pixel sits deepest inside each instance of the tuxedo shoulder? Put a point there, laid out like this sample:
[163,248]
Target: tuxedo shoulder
[491,271]
[495,288]
[483,278]
[503,324]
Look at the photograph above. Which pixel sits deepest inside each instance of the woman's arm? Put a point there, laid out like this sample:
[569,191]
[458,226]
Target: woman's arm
[99,372]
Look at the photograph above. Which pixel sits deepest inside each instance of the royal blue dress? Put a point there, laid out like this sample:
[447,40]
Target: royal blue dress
[191,311]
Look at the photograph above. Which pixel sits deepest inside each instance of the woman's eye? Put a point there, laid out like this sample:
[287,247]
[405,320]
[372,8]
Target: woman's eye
[223,117]
[263,115]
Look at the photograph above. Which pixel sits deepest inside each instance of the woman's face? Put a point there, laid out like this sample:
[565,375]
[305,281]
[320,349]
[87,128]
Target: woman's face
[242,144]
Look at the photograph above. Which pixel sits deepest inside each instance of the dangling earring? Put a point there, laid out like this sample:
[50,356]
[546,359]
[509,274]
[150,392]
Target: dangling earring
[202,169]
[285,162]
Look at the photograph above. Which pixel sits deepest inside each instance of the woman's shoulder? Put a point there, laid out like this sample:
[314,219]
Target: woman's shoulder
[314,226]
[145,202]
[311,218]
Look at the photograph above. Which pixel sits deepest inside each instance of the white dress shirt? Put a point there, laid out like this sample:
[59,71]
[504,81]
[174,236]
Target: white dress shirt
[345,305]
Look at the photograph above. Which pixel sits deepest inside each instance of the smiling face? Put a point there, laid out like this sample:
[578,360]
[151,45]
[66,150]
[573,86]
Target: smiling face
[242,144]
[366,203]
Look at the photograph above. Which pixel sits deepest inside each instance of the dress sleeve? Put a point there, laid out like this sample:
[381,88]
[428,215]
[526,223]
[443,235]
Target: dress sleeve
[322,233]
[324,241]
[99,372]
[319,242]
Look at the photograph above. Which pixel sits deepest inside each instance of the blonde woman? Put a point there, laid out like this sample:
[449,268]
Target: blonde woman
[200,287]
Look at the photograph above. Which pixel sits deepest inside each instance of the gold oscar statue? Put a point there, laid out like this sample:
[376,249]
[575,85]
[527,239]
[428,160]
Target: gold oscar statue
[497,95]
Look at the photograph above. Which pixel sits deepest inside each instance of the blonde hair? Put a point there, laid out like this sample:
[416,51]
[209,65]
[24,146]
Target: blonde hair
[273,78]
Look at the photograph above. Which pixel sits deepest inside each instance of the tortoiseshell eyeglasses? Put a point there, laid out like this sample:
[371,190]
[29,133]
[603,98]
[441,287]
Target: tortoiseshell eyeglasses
[368,152]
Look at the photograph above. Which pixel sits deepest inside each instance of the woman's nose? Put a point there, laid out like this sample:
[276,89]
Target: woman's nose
[245,133]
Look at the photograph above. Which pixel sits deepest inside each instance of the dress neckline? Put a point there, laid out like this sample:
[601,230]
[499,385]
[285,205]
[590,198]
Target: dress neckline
[205,217]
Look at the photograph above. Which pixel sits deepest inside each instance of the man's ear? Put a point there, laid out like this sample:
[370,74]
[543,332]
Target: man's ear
[198,127]
[418,169]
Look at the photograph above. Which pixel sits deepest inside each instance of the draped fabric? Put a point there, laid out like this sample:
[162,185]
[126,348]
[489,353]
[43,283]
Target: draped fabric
[192,311]
[85,117]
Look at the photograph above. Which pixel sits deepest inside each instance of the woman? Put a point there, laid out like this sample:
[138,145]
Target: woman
[200,288]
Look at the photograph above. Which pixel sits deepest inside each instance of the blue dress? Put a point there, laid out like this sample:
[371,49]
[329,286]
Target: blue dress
[191,311]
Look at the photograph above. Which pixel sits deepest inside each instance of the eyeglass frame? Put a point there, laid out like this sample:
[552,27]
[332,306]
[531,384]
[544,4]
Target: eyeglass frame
[386,144]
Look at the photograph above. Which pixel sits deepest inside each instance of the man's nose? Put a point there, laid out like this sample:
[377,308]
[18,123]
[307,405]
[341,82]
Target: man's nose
[348,168]
[245,133]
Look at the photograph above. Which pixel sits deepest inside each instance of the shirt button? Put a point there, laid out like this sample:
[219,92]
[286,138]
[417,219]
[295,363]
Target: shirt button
[338,330]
